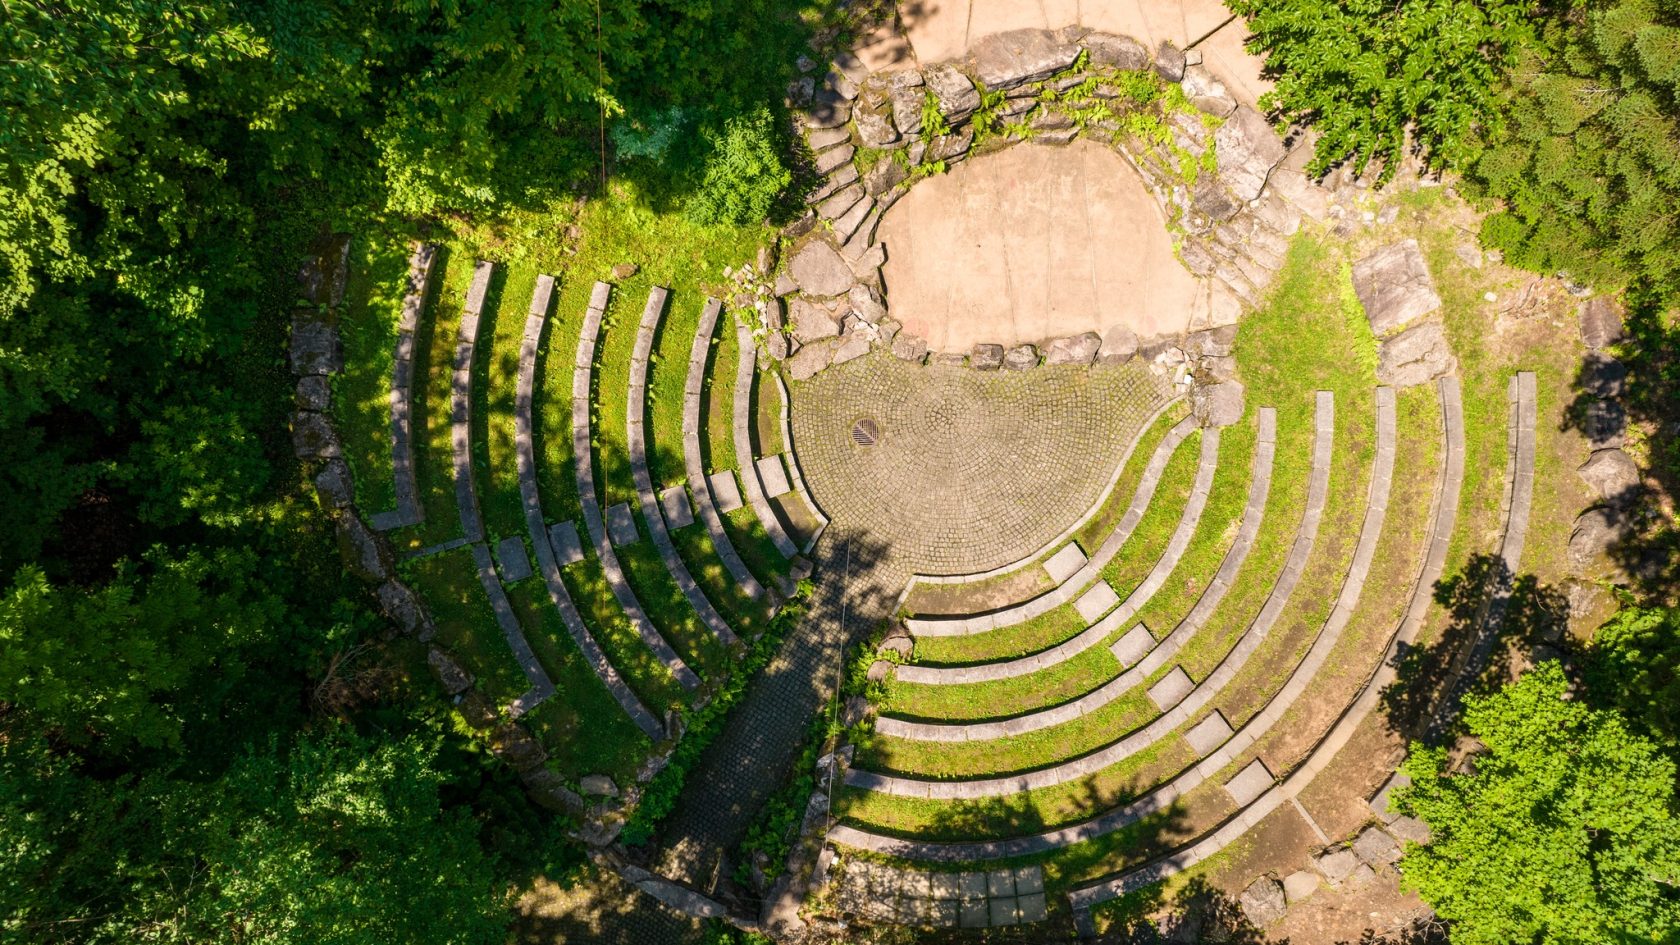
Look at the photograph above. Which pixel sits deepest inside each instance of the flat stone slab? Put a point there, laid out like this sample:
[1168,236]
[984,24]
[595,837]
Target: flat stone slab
[512,560]
[673,502]
[1336,865]
[621,525]
[1172,689]
[1379,801]
[1208,734]
[1065,563]
[563,538]
[726,492]
[1395,287]
[1132,647]
[774,476]
[1099,600]
[1033,907]
[1250,783]
[1376,848]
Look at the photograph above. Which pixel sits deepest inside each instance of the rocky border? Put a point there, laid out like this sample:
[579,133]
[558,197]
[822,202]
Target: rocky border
[1232,221]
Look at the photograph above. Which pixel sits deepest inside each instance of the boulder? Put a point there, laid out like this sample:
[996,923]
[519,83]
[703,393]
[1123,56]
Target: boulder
[1212,200]
[952,146]
[1118,345]
[1604,424]
[1005,60]
[1020,358]
[854,711]
[1612,474]
[852,347]
[1117,52]
[1415,356]
[1394,286]
[827,110]
[315,348]
[907,98]
[811,321]
[819,269]
[1206,92]
[865,304]
[403,608]
[598,785]
[800,90]
[888,329]
[908,347]
[548,789]
[451,674]
[624,271]
[1376,848]
[986,357]
[1263,902]
[1211,343]
[1169,61]
[1217,405]
[1247,150]
[1336,865]
[364,554]
[957,96]
[334,484]
[1602,375]
[1214,370]
[1299,885]
[811,358]
[886,174]
[1601,322]
[314,392]
[838,203]
[778,346]
[476,710]
[878,670]
[875,127]
[515,747]
[1596,532]
[1079,349]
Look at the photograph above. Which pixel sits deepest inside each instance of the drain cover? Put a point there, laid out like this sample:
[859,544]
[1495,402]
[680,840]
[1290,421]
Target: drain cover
[865,433]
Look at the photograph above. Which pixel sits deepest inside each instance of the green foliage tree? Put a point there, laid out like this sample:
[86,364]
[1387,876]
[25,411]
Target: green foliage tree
[1565,831]
[1633,665]
[1364,74]
[743,174]
[1587,165]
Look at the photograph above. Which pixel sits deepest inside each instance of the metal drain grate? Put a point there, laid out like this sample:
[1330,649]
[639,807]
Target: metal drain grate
[865,433]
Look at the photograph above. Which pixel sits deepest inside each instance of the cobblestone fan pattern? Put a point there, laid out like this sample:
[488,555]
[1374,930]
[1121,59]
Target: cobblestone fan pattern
[968,470]
[877,893]
[746,763]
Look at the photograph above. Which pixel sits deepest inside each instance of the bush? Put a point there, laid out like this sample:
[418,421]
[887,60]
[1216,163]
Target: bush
[743,173]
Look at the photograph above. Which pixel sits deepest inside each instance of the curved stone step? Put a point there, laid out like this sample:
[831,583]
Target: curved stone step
[1062,541]
[548,564]
[746,365]
[408,510]
[1073,585]
[636,422]
[1445,515]
[798,478]
[694,462]
[1161,799]
[466,496]
[1186,701]
[583,457]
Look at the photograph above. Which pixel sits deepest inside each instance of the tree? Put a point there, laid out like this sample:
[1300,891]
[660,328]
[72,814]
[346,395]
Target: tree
[1587,166]
[1565,831]
[1365,73]
[1634,665]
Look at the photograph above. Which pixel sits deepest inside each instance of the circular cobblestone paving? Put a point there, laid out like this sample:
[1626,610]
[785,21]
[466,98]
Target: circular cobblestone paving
[967,470]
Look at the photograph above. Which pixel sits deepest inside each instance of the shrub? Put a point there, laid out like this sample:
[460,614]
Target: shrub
[743,173]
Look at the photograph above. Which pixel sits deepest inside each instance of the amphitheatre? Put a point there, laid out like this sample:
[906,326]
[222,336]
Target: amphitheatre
[1057,496]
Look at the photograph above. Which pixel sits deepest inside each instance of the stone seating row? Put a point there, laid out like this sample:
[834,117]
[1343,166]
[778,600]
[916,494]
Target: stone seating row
[408,510]
[1449,487]
[1072,572]
[746,368]
[652,511]
[589,498]
[1250,789]
[1178,698]
[558,546]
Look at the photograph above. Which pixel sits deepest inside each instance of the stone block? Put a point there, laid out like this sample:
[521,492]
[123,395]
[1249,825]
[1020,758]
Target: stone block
[564,541]
[1611,473]
[1169,61]
[315,347]
[314,392]
[1336,865]
[1379,801]
[1601,322]
[1133,646]
[1263,902]
[1409,829]
[1247,149]
[850,348]
[598,785]
[726,492]
[986,357]
[1116,52]
[1119,344]
[1005,60]
[809,359]
[1208,734]
[1299,885]
[1375,847]
[621,525]
[674,505]
[1065,563]
[908,347]
[1250,783]
[1415,356]
[773,474]
[1020,358]
[1099,600]
[1079,349]
[512,560]
[1394,286]
[1171,689]
[958,98]
[1217,405]
[1596,532]
[820,270]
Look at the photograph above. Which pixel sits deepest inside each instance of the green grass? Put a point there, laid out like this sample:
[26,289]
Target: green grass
[1102,524]
[361,393]
[466,625]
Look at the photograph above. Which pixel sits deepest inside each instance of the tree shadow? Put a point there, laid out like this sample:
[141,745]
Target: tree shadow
[1486,631]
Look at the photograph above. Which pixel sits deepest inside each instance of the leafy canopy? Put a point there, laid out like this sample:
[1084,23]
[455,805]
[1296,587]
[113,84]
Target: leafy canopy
[1565,832]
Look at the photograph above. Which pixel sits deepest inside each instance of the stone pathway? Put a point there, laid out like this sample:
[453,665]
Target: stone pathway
[694,461]
[746,368]
[583,457]
[549,561]
[1069,585]
[970,900]
[636,412]
[408,510]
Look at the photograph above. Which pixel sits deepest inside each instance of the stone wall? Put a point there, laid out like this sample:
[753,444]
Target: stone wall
[1212,165]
